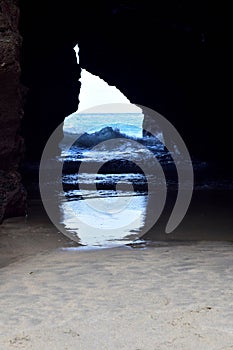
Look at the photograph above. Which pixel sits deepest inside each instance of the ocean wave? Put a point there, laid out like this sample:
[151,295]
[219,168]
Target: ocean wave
[88,140]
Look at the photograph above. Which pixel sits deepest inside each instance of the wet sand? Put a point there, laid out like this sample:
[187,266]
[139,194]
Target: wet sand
[174,294]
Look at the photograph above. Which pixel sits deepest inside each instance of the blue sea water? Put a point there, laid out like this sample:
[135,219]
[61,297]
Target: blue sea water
[127,123]
[93,129]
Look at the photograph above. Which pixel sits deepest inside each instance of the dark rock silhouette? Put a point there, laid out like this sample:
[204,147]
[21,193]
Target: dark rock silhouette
[172,56]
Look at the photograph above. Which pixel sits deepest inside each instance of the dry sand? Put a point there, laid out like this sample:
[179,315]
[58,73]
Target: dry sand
[56,296]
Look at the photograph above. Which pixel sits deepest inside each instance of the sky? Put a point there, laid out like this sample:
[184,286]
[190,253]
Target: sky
[95,91]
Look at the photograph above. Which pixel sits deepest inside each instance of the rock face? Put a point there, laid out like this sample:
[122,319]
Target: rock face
[12,193]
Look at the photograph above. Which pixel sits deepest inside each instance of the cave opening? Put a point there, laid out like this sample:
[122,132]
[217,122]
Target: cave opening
[104,129]
[110,192]
[94,91]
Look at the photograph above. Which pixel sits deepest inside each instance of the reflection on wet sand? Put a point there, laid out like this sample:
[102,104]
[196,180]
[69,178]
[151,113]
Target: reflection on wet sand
[106,221]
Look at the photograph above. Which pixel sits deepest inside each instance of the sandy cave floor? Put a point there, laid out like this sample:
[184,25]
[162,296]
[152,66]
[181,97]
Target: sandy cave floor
[55,295]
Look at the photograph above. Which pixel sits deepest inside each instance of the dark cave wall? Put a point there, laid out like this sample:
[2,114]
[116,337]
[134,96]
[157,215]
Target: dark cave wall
[53,94]
[43,72]
[49,70]
[174,57]
[12,193]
